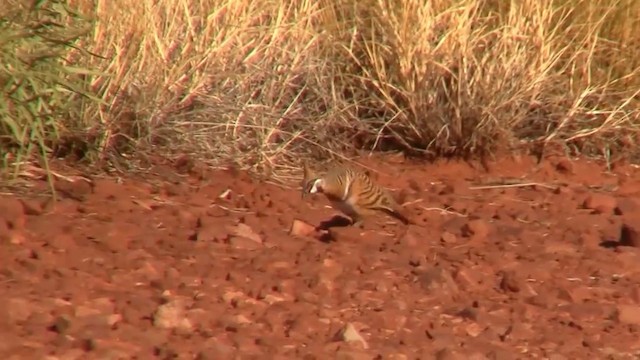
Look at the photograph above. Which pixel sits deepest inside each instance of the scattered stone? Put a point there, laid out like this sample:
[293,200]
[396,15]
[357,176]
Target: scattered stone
[477,229]
[243,243]
[564,165]
[117,238]
[630,234]
[635,294]
[397,357]
[233,322]
[561,248]
[590,238]
[474,329]
[349,334]
[245,231]
[171,315]
[509,282]
[84,311]
[415,259]
[215,349]
[468,313]
[18,310]
[331,268]
[437,280]
[301,228]
[575,295]
[628,314]
[600,203]
[351,355]
[558,357]
[627,205]
[60,324]
[12,213]
[409,238]
[61,241]
[448,238]
[449,354]
[211,233]
[72,354]
[456,186]
[113,319]
[33,207]
[466,278]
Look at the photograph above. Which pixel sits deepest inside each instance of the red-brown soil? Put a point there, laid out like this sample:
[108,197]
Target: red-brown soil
[203,266]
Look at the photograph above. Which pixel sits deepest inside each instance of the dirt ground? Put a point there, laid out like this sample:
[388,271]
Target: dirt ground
[201,265]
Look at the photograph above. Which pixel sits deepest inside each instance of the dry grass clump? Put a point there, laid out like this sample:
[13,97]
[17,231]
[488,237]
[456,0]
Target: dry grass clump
[42,93]
[263,83]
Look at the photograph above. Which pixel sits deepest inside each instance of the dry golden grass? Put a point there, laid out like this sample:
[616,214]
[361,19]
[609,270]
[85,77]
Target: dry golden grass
[264,83]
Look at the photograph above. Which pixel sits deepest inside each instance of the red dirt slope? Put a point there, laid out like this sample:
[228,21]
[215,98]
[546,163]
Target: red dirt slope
[165,267]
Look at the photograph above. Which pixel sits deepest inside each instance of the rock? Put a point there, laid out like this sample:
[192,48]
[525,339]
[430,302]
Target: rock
[18,310]
[33,207]
[62,241]
[502,354]
[172,316]
[564,165]
[349,334]
[437,280]
[468,313]
[61,324]
[519,331]
[509,282]
[210,233]
[558,357]
[112,319]
[301,228]
[590,238]
[83,311]
[466,278]
[474,329]
[331,268]
[233,322]
[456,186]
[409,238]
[600,203]
[630,234]
[561,248]
[448,354]
[73,354]
[397,356]
[575,295]
[245,231]
[12,213]
[351,355]
[215,349]
[243,243]
[628,314]
[635,294]
[626,206]
[117,238]
[477,229]
[448,238]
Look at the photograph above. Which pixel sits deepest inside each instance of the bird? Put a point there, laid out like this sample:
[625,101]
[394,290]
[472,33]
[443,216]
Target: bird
[352,192]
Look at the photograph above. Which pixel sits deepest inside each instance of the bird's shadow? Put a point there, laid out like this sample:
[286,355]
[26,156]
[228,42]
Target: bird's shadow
[335,221]
[327,225]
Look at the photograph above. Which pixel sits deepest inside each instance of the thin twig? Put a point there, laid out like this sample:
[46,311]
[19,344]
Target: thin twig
[235,210]
[443,211]
[502,186]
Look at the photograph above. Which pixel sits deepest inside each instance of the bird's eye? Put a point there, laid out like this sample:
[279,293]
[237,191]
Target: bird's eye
[316,186]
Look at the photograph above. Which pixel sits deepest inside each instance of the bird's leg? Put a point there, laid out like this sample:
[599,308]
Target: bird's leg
[356,221]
